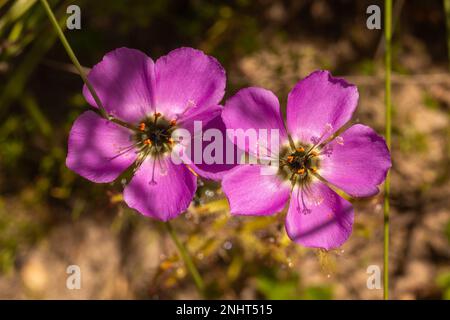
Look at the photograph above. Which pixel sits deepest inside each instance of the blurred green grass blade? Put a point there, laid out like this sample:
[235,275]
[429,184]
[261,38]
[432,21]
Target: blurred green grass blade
[17,81]
[17,10]
[32,107]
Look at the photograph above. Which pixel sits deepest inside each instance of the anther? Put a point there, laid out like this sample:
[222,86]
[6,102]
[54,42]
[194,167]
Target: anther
[300,149]
[290,159]
[301,171]
[148,142]
[313,169]
[173,123]
[142,126]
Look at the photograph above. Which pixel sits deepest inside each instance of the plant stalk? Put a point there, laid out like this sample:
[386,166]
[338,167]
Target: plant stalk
[388,115]
[73,57]
[186,258]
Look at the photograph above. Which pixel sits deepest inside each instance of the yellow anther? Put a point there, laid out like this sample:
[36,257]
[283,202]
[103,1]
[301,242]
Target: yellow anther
[170,141]
[290,159]
[301,171]
[314,153]
[142,126]
[148,142]
[173,123]
[313,169]
[300,149]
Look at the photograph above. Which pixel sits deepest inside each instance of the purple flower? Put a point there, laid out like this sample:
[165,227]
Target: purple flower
[356,161]
[151,100]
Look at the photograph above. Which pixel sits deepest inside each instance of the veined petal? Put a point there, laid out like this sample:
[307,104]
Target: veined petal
[318,217]
[255,110]
[318,106]
[161,189]
[357,162]
[251,192]
[187,78]
[99,150]
[125,83]
[226,153]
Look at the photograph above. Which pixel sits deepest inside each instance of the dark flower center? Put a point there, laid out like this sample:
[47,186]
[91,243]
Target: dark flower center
[154,135]
[299,164]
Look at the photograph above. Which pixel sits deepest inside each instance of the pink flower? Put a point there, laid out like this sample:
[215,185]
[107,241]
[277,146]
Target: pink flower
[356,161]
[151,100]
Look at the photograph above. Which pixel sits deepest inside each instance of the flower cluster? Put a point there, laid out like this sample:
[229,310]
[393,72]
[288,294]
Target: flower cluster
[150,103]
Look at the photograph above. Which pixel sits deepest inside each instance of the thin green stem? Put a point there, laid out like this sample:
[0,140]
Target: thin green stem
[447,18]
[186,258]
[388,111]
[73,57]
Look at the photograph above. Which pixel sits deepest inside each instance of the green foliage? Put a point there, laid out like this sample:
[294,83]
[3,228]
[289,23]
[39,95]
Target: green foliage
[443,281]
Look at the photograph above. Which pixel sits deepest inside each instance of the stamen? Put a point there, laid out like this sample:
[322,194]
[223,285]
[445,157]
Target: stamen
[300,149]
[301,171]
[192,170]
[173,123]
[157,115]
[148,142]
[142,126]
[290,159]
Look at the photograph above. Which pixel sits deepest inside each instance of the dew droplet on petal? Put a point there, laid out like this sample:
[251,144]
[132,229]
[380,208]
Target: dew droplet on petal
[340,140]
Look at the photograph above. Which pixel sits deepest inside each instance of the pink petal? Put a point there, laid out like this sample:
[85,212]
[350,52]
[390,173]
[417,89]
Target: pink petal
[187,78]
[99,150]
[254,109]
[228,153]
[251,193]
[358,161]
[124,81]
[318,106]
[318,217]
[161,189]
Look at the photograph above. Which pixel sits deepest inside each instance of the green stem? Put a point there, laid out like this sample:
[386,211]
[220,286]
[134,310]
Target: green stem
[73,57]
[388,104]
[447,15]
[186,258]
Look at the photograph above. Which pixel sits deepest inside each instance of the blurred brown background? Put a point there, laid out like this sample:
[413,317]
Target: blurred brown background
[51,218]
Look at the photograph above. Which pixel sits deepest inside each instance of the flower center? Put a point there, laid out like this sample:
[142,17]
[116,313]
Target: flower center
[299,164]
[154,135]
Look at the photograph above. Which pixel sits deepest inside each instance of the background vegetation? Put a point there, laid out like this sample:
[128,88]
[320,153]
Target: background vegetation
[51,218]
